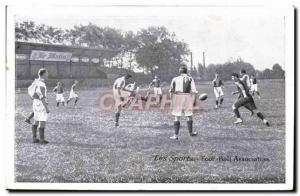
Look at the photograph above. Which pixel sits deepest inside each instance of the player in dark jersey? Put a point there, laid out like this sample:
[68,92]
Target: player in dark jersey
[218,84]
[156,87]
[59,93]
[254,88]
[245,99]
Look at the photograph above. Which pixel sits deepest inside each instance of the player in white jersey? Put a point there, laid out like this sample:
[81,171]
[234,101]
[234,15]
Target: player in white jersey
[73,93]
[183,92]
[121,94]
[218,84]
[40,108]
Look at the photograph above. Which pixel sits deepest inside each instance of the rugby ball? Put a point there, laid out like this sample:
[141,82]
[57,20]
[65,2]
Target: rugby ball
[203,96]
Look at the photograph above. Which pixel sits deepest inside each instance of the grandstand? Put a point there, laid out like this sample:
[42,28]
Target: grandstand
[64,63]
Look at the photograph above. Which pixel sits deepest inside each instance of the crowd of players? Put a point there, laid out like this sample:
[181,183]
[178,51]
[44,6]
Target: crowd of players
[182,90]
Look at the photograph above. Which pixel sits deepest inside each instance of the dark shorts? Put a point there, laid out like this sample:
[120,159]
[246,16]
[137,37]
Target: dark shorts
[246,102]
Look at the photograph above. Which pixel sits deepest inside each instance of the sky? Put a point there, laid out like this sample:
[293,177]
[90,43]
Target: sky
[255,34]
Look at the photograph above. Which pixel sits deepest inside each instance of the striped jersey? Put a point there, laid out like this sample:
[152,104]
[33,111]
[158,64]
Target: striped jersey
[183,84]
[242,87]
[246,80]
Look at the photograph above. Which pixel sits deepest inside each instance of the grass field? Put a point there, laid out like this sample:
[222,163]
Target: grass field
[86,147]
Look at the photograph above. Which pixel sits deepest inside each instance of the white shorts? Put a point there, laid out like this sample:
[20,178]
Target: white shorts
[254,87]
[60,98]
[118,98]
[218,91]
[182,104]
[39,110]
[73,95]
[157,91]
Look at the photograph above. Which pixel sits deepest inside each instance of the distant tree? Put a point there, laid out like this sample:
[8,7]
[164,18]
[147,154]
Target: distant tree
[159,51]
[277,72]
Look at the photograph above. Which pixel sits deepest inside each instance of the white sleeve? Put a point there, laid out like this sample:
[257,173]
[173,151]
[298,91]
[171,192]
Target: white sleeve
[172,87]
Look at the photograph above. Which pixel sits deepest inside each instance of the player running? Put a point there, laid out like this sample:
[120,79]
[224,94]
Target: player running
[183,92]
[218,84]
[59,93]
[73,94]
[254,88]
[245,78]
[245,99]
[121,93]
[38,91]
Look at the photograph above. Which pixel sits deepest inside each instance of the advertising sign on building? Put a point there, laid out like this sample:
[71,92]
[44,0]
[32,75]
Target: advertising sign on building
[39,55]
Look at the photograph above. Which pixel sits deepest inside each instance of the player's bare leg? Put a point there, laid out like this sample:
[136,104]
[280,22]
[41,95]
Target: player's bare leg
[190,126]
[41,128]
[34,132]
[27,120]
[176,128]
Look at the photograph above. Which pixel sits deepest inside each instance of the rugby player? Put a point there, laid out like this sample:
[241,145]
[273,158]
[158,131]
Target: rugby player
[156,86]
[245,99]
[218,84]
[121,93]
[73,93]
[40,108]
[183,92]
[59,90]
[254,88]
[245,78]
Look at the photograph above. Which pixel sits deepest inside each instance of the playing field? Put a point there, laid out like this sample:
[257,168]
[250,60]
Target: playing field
[86,147]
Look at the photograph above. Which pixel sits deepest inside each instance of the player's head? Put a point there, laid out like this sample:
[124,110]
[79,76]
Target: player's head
[43,73]
[183,69]
[127,76]
[243,71]
[155,76]
[75,81]
[235,76]
[216,74]
[58,83]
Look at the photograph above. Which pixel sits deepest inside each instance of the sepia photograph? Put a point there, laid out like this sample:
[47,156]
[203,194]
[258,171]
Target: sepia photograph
[150,97]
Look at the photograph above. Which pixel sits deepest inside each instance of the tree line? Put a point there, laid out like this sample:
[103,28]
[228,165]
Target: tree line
[225,70]
[152,50]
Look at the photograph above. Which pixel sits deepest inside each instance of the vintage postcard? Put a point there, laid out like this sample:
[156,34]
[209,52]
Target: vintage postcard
[173,97]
